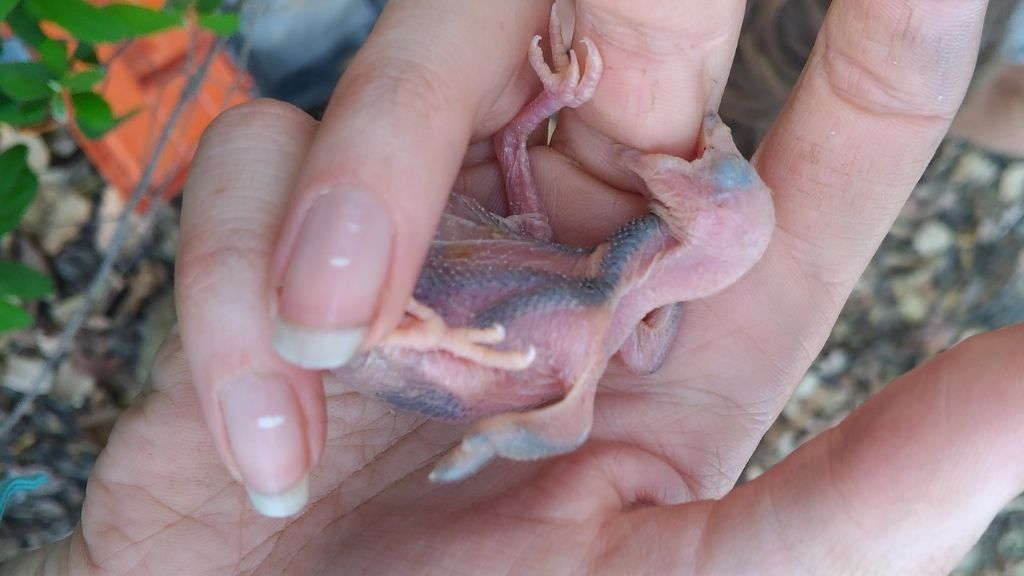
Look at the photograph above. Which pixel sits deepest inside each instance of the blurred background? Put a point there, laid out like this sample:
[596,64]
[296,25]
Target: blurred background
[101,107]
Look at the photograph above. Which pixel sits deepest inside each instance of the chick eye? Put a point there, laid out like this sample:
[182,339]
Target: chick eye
[732,172]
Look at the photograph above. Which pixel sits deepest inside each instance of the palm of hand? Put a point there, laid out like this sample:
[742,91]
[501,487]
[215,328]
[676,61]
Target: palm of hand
[160,488]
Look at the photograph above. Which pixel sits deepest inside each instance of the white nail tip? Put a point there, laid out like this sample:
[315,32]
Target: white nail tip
[316,348]
[282,504]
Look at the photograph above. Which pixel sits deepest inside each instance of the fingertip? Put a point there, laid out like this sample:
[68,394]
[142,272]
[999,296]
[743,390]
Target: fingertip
[384,160]
[316,349]
[266,431]
[281,504]
[334,275]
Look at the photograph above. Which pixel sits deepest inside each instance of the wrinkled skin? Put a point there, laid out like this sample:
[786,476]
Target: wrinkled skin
[506,319]
[522,321]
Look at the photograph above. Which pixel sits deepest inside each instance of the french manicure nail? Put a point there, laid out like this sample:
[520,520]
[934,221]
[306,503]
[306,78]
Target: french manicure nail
[283,504]
[316,348]
[266,433]
[333,279]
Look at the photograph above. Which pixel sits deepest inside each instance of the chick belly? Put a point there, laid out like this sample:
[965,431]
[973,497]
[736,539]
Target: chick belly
[440,385]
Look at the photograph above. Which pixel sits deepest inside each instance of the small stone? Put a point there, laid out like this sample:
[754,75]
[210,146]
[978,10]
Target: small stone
[809,384]
[75,266]
[787,443]
[919,282]
[61,143]
[36,509]
[72,386]
[933,238]
[913,308]
[38,153]
[753,471]
[65,222]
[112,207]
[974,166]
[834,363]
[49,424]
[50,189]
[65,309]
[1011,185]
[21,375]
[22,443]
[1011,545]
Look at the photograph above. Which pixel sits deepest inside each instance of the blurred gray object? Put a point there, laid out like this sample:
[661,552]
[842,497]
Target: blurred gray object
[297,49]
[1014,48]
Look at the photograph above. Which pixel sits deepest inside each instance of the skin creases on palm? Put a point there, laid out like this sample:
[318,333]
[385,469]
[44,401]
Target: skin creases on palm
[508,327]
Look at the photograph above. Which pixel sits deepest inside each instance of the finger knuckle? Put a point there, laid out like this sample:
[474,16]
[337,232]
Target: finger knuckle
[897,62]
[399,84]
[207,266]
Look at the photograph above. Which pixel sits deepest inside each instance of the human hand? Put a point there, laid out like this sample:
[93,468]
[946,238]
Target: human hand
[397,129]
[904,485]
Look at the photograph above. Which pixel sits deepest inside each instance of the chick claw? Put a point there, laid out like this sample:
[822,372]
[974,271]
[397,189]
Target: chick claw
[428,332]
[565,83]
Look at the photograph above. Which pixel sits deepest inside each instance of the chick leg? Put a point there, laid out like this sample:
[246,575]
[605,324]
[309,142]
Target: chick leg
[556,429]
[648,345]
[563,87]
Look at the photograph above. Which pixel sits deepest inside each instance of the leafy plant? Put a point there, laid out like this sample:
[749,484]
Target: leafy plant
[17,282]
[58,83]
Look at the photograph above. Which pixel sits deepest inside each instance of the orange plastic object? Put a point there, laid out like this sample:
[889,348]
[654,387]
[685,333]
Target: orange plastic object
[148,75]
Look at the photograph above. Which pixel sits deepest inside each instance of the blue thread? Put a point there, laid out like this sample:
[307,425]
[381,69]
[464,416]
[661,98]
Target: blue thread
[21,483]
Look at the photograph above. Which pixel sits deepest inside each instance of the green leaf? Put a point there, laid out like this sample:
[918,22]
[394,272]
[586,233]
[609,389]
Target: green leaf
[17,187]
[22,113]
[83,81]
[12,317]
[177,6]
[111,23]
[222,24]
[23,282]
[25,81]
[201,6]
[84,21]
[84,52]
[25,27]
[140,21]
[93,114]
[5,7]
[208,6]
[54,55]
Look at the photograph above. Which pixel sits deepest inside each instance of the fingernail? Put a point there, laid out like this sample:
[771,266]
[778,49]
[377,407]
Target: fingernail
[266,432]
[283,504]
[333,279]
[313,348]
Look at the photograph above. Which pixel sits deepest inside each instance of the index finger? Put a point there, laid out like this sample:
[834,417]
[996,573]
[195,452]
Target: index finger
[380,169]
